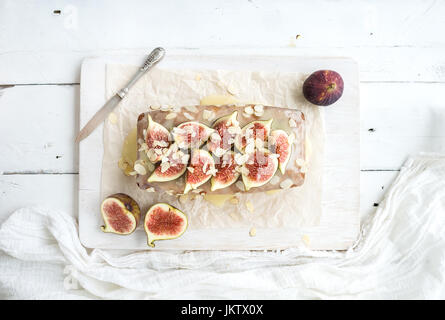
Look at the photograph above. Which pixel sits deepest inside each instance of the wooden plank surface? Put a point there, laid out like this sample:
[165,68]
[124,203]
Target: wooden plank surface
[397,44]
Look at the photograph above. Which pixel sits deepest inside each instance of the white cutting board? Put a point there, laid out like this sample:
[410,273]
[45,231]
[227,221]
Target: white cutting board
[339,225]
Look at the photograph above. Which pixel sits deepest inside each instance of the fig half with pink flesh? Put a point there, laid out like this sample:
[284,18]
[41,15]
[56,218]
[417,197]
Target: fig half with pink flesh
[200,169]
[157,139]
[191,134]
[173,165]
[281,143]
[226,128]
[121,214]
[164,222]
[251,132]
[226,172]
[259,168]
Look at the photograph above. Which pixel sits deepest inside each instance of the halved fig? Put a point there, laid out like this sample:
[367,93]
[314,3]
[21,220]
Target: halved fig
[251,133]
[226,172]
[121,214]
[227,128]
[164,222]
[191,134]
[200,169]
[259,168]
[157,139]
[281,143]
[173,165]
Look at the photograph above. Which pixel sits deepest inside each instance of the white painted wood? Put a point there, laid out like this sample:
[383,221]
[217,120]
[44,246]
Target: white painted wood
[339,223]
[391,40]
[404,119]
[55,191]
[384,64]
[38,126]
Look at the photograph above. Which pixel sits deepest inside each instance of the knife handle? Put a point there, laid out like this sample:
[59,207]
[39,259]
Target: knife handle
[154,57]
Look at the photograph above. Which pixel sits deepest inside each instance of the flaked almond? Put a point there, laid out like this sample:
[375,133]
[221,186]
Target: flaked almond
[305,238]
[232,89]
[155,107]
[292,123]
[219,152]
[259,108]
[286,184]
[188,116]
[165,166]
[215,137]
[185,158]
[192,109]
[171,115]
[165,107]
[241,159]
[151,189]
[112,117]
[140,169]
[208,115]
[248,110]
[249,206]
[252,232]
[190,169]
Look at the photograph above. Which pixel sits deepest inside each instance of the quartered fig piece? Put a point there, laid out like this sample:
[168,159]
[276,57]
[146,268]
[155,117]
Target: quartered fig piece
[191,134]
[259,168]
[226,172]
[157,139]
[227,128]
[281,143]
[251,134]
[164,222]
[200,169]
[173,165]
[121,214]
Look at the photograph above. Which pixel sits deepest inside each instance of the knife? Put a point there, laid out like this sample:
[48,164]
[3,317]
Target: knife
[154,57]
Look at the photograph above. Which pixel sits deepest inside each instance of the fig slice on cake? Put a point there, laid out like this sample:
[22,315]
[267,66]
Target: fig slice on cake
[157,139]
[164,222]
[259,168]
[281,143]
[191,134]
[221,140]
[200,169]
[121,214]
[226,172]
[173,165]
[253,133]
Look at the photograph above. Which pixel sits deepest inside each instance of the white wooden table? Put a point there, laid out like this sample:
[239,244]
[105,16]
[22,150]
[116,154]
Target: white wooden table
[399,46]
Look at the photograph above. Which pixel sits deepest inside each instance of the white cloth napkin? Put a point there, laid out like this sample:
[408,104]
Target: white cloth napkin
[401,254]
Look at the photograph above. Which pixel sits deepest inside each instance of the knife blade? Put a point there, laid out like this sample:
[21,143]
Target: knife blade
[154,57]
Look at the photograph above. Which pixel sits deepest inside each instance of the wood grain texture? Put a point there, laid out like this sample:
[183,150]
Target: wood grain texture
[393,41]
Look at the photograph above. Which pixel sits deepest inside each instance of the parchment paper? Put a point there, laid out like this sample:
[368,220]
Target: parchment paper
[296,207]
